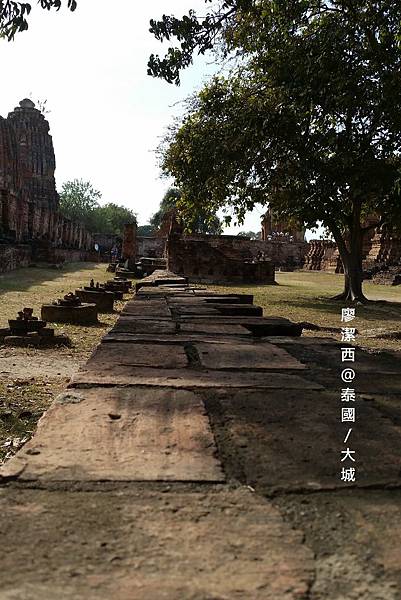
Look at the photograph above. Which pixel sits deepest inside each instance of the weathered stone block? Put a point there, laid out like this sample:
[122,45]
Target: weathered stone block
[85,314]
[103,300]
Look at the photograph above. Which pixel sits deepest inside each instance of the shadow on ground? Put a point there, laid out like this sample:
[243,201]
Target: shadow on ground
[22,280]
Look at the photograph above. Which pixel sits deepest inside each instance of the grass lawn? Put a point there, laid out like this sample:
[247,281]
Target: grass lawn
[36,286]
[30,377]
[305,296]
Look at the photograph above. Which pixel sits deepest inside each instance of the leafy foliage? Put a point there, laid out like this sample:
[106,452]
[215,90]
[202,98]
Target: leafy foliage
[168,203]
[79,201]
[252,235]
[198,221]
[193,34]
[111,218]
[309,121]
[13,15]
[145,230]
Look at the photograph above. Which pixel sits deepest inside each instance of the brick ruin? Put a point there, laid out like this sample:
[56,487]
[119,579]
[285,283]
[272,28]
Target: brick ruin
[224,258]
[216,258]
[229,258]
[381,256]
[322,255]
[280,230]
[31,225]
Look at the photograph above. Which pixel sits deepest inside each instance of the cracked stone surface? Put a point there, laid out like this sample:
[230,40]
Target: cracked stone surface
[189,460]
[143,544]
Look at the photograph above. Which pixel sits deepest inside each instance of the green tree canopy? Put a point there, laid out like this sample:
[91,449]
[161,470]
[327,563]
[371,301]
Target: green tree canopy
[249,234]
[197,221]
[168,203]
[111,218]
[79,201]
[145,230]
[308,121]
[13,15]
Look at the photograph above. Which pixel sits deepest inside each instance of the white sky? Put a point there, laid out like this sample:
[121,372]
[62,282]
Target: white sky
[106,114]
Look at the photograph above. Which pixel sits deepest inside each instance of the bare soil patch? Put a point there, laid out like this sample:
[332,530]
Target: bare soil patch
[31,377]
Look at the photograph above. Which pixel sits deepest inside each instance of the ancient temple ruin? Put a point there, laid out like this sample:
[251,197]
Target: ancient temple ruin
[214,258]
[280,229]
[381,256]
[31,225]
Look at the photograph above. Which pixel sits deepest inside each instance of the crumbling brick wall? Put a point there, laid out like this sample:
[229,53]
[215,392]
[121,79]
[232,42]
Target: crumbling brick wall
[200,261]
[281,252]
[152,247]
[29,209]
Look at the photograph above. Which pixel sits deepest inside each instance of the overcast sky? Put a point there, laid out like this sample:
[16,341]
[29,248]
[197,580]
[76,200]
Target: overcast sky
[106,114]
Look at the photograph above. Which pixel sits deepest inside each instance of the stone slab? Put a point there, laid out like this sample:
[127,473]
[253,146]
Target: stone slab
[141,544]
[330,355]
[197,309]
[189,300]
[155,309]
[235,310]
[287,440]
[244,298]
[246,319]
[257,326]
[212,328]
[130,324]
[179,338]
[214,299]
[118,295]
[246,356]
[239,309]
[157,292]
[300,341]
[84,314]
[127,375]
[174,286]
[103,300]
[120,435]
[159,281]
[240,299]
[116,358]
[125,274]
[381,383]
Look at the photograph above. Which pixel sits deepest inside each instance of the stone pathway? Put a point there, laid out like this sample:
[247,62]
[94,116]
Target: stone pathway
[168,467]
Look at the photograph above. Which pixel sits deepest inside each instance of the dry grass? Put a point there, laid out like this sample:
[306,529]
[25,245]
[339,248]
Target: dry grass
[36,286]
[300,296]
[37,375]
[305,296]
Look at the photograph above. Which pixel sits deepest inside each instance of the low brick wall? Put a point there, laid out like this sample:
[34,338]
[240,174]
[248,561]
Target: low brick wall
[152,247]
[202,262]
[14,257]
[17,256]
[58,255]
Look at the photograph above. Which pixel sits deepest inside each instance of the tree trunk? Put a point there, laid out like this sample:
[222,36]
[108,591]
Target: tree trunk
[353,279]
[351,256]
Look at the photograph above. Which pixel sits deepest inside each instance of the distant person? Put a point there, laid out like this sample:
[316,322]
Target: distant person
[114,254]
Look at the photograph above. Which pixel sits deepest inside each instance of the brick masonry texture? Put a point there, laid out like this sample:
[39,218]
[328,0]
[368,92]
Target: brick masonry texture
[31,225]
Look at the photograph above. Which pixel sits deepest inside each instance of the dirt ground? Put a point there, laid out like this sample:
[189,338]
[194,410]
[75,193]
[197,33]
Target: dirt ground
[130,543]
[281,450]
[29,377]
[279,529]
